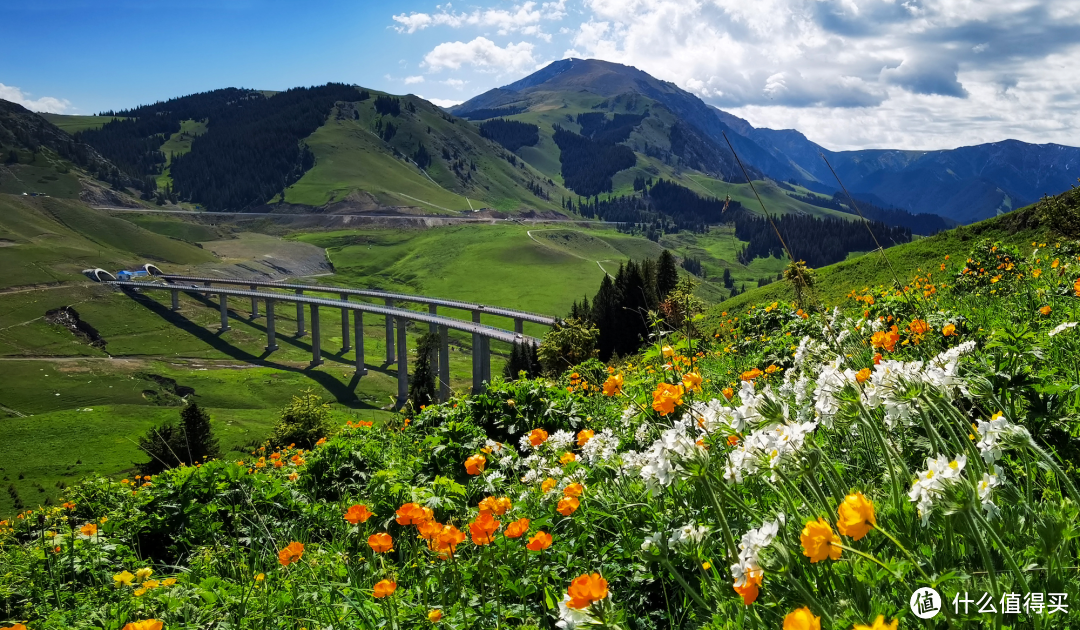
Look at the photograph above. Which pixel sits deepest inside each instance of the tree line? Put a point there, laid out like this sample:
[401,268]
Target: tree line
[924,224]
[818,241]
[511,134]
[588,165]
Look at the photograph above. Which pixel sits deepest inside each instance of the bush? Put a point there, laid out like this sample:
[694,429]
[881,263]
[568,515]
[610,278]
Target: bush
[170,445]
[303,421]
[568,343]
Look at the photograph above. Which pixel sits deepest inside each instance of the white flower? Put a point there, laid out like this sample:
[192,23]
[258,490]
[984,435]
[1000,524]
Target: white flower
[560,440]
[571,618]
[750,546]
[660,469]
[525,444]
[687,534]
[651,541]
[1061,328]
[989,435]
[601,448]
[929,484]
[986,486]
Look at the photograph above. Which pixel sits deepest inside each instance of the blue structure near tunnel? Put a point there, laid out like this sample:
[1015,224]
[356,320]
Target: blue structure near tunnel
[128,275]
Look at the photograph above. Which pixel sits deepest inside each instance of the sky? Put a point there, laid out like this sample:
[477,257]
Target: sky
[849,74]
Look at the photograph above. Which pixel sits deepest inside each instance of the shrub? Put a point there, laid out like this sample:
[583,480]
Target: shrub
[568,343]
[303,421]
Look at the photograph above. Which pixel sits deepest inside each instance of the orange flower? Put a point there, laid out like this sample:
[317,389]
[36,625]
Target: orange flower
[381,542]
[517,529]
[548,484]
[88,530]
[613,385]
[573,490]
[291,553]
[877,358]
[750,375]
[1045,310]
[448,539]
[145,624]
[567,457]
[539,541]
[750,588]
[568,505]
[586,589]
[733,440]
[483,529]
[918,326]
[949,330]
[430,530]
[475,464]
[413,514]
[434,616]
[692,381]
[538,437]
[862,375]
[802,619]
[856,516]
[667,397]
[384,588]
[68,505]
[818,540]
[499,506]
[584,436]
[1076,287]
[358,514]
[321,442]
[728,392]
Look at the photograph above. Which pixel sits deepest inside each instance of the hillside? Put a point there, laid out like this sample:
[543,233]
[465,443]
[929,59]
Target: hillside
[963,185]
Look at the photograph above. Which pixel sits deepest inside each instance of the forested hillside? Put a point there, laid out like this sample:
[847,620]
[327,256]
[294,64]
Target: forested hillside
[819,242]
[588,165]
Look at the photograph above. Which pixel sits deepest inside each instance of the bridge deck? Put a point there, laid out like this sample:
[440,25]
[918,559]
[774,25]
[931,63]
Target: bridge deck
[483,330]
[419,299]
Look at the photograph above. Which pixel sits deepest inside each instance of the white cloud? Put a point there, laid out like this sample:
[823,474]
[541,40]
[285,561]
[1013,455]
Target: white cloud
[44,104]
[481,53]
[414,79]
[442,102]
[522,18]
[859,73]
[454,83]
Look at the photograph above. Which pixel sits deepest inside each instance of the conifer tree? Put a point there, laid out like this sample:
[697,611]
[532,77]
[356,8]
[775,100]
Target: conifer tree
[422,383]
[199,440]
[667,275]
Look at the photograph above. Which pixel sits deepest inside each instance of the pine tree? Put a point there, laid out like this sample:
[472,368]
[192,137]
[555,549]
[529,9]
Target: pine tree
[422,383]
[198,436]
[667,275]
[605,317]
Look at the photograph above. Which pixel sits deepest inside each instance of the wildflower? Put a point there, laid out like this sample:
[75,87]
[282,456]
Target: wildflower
[748,589]
[1045,310]
[291,553]
[692,381]
[151,584]
[949,330]
[321,441]
[1054,265]
[750,375]
[584,436]
[143,574]
[1035,273]
[1061,328]
[384,588]
[123,578]
[434,616]
[88,530]
[499,506]
[139,592]
[568,505]
[667,397]
[381,542]
[879,624]
[430,529]
[448,539]
[862,375]
[667,351]
[517,529]
[412,514]
[475,464]
[547,485]
[1076,287]
[539,541]
[573,490]
[733,440]
[358,514]
[145,624]
[877,358]
[818,540]
[537,437]
[294,477]
[705,566]
[567,457]
[728,392]
[613,385]
[68,505]
[586,589]
[483,529]
[802,619]
[259,577]
[856,516]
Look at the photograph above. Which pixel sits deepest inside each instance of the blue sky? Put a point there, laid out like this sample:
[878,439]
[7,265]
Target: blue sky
[916,74]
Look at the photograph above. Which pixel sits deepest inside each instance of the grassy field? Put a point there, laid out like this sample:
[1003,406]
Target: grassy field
[178,144]
[75,124]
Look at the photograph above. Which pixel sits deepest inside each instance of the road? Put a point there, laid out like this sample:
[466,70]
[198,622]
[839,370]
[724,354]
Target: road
[404,217]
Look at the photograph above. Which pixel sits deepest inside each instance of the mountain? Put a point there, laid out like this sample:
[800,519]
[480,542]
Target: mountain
[963,185]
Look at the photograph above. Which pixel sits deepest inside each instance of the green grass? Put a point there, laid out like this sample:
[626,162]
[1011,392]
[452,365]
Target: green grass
[175,227]
[44,176]
[178,144]
[74,124]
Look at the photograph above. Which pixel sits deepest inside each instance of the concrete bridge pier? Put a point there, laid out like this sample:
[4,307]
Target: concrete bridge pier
[345,345]
[390,358]
[358,329]
[444,364]
[175,299]
[519,325]
[300,315]
[481,363]
[271,337]
[254,304]
[433,309]
[316,350]
[403,363]
[223,301]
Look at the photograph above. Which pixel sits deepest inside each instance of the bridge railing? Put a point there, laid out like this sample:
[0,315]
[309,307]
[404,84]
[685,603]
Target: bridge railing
[482,334]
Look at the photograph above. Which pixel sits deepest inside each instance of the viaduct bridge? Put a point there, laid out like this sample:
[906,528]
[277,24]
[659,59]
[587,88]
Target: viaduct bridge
[270,293]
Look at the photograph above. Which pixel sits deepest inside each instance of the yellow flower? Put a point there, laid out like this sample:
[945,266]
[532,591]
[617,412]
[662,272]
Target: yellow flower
[584,436]
[802,619]
[667,397]
[667,351]
[123,578]
[879,624]
[862,375]
[856,516]
[548,484]
[146,624]
[434,616]
[139,592]
[567,457]
[818,540]
[168,582]
[143,574]
[259,577]
[1035,273]
[613,385]
[1045,310]
[949,330]
[692,381]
